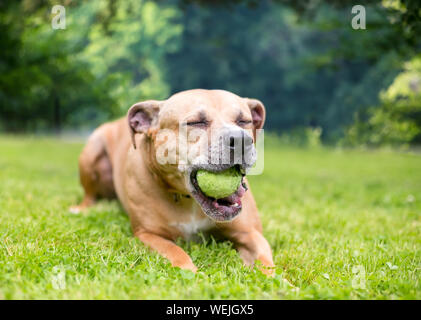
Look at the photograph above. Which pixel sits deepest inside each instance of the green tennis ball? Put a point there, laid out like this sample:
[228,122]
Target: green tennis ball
[219,184]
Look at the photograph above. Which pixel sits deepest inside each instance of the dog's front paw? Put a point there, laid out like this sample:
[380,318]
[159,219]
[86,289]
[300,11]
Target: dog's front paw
[189,266]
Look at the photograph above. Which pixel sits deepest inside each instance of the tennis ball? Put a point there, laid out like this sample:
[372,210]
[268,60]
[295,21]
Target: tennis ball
[219,184]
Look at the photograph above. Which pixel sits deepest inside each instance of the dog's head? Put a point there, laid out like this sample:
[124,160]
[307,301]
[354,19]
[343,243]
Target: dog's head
[195,130]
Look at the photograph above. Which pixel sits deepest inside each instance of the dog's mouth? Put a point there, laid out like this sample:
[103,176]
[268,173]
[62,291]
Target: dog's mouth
[223,209]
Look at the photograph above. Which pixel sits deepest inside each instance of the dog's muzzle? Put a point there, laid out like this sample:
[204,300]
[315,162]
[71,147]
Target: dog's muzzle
[231,148]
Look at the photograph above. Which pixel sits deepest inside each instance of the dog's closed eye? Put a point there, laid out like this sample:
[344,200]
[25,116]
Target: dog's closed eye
[242,120]
[200,123]
[243,123]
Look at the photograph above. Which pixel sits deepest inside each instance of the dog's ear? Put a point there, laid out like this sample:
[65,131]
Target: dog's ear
[141,116]
[258,114]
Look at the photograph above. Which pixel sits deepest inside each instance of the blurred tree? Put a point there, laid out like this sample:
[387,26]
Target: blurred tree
[302,59]
[87,73]
[403,15]
[397,120]
[43,82]
[129,49]
[314,74]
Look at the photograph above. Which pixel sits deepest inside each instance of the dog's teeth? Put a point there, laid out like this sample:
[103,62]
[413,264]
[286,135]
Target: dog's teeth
[235,205]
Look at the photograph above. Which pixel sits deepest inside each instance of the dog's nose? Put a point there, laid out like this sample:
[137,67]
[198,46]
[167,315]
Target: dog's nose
[239,138]
[240,145]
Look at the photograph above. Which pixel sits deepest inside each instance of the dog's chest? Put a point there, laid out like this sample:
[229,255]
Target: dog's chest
[192,226]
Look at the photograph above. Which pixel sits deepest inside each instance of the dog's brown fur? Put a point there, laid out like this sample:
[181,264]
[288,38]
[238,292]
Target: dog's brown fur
[111,167]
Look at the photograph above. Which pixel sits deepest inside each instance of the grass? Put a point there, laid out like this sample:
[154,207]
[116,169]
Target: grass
[343,224]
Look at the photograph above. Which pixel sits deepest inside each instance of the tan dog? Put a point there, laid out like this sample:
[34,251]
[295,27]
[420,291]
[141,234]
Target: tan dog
[163,200]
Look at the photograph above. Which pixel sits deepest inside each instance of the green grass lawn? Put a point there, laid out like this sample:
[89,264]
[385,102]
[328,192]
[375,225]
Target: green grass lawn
[342,225]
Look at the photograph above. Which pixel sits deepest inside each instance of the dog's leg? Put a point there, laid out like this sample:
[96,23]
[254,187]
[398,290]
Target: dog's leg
[95,173]
[168,249]
[253,246]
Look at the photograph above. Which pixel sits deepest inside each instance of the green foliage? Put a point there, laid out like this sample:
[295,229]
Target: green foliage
[308,74]
[130,52]
[331,217]
[302,59]
[403,15]
[397,121]
[87,73]
[43,82]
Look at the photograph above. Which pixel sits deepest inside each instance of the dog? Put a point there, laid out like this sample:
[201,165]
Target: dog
[162,198]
